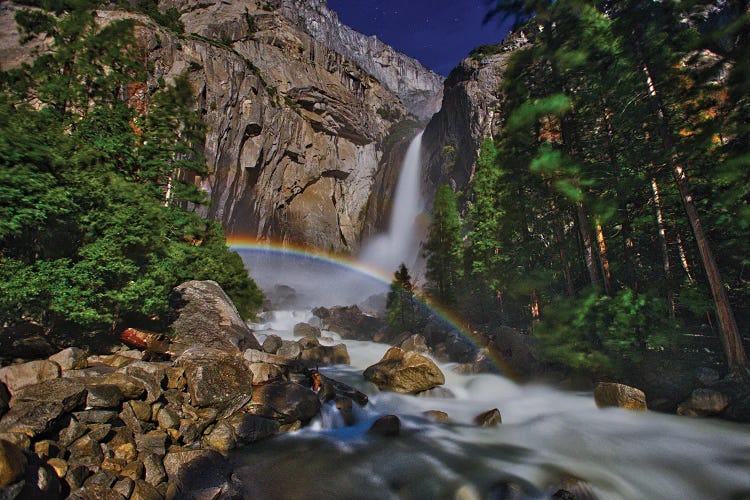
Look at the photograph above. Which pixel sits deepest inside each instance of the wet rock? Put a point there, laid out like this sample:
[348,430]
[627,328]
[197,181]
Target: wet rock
[285,402]
[251,428]
[215,378]
[405,372]
[346,409]
[17,376]
[438,416]
[490,418]
[336,388]
[196,470]
[349,322]
[206,317]
[416,343]
[67,392]
[272,344]
[71,358]
[703,402]
[308,342]
[623,396]
[104,396]
[306,330]
[437,392]
[12,463]
[387,426]
[325,355]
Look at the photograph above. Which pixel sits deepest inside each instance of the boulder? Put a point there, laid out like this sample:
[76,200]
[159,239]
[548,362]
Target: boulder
[334,389]
[12,463]
[68,392]
[518,350]
[272,344]
[703,402]
[196,470]
[251,428]
[289,350]
[416,343]
[71,358]
[265,372]
[285,402]
[154,469]
[216,378]
[308,342]
[144,491]
[611,394]
[33,418]
[325,355]
[387,426]
[349,322]
[221,438]
[16,376]
[405,372]
[104,396]
[490,418]
[205,316]
[130,387]
[255,356]
[437,416]
[306,330]
[152,443]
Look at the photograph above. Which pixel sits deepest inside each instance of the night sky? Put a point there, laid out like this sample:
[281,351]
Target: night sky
[437,32]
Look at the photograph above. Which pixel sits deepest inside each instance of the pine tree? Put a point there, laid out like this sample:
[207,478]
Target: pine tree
[401,304]
[443,247]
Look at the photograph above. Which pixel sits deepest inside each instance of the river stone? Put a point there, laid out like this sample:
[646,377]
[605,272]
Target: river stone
[272,344]
[620,395]
[33,418]
[704,402]
[221,438]
[346,409]
[68,392]
[490,418]
[196,470]
[308,342]
[289,350]
[16,376]
[251,428]
[216,378]
[285,402]
[415,343]
[337,388]
[12,463]
[387,426]
[264,372]
[404,372]
[437,416]
[206,317]
[306,330]
[325,355]
[104,396]
[71,358]
[256,356]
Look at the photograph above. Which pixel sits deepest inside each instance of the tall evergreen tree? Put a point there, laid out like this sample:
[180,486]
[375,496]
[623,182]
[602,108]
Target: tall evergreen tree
[443,247]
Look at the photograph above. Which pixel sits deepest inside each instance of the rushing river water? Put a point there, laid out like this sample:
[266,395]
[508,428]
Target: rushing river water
[547,437]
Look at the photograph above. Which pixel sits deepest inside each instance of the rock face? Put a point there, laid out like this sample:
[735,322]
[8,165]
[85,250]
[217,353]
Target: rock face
[471,110]
[205,316]
[405,372]
[418,88]
[349,322]
[610,394]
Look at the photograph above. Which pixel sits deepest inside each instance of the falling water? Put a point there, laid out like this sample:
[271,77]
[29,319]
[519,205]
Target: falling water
[401,243]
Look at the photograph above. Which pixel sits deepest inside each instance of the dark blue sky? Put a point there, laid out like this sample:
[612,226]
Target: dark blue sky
[437,32]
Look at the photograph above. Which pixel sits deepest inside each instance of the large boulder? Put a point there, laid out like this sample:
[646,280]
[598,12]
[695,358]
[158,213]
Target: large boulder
[404,371]
[286,402]
[193,472]
[68,392]
[33,418]
[325,355]
[71,358]
[16,376]
[610,394]
[704,402]
[205,316]
[215,377]
[306,330]
[349,322]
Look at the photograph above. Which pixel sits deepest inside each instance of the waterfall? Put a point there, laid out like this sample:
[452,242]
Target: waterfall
[401,243]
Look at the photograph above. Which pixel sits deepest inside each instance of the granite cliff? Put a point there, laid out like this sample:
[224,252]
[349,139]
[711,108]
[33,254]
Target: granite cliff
[296,131]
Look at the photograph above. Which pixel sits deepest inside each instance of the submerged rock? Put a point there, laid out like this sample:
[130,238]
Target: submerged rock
[405,372]
[387,426]
[490,418]
[620,395]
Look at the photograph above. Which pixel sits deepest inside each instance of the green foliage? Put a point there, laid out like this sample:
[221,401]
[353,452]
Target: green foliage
[402,308]
[484,51]
[605,335]
[443,247]
[389,114]
[91,229]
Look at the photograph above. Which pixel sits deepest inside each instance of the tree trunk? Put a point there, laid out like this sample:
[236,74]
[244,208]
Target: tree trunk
[588,247]
[559,236]
[730,335]
[603,260]
[666,265]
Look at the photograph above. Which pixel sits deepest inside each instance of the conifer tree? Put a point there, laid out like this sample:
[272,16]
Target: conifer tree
[443,247]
